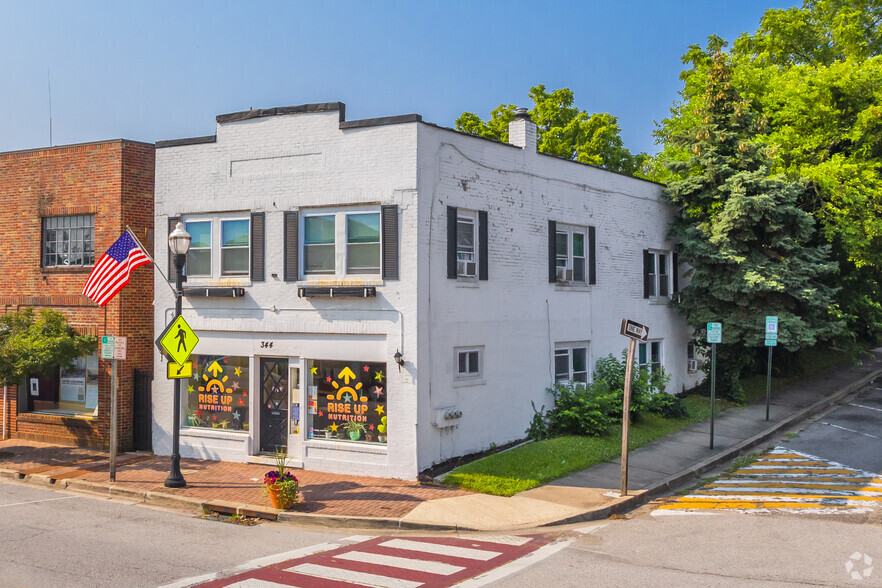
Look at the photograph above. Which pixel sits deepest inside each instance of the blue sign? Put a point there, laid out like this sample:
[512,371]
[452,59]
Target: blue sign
[714,332]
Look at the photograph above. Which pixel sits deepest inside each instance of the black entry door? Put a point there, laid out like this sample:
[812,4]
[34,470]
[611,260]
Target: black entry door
[274,404]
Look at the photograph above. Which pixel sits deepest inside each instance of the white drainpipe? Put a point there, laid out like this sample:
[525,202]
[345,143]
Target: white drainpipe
[4,413]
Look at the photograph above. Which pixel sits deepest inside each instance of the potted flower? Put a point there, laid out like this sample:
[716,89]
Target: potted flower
[381,430]
[354,428]
[281,485]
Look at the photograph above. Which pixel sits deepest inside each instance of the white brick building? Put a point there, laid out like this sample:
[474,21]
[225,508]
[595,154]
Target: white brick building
[321,247]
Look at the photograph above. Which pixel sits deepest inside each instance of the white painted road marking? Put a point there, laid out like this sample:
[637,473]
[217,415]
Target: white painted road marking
[38,501]
[515,566]
[341,575]
[867,407]
[438,549]
[851,430]
[420,565]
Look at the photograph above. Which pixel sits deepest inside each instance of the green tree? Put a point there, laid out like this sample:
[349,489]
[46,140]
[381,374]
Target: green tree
[814,75]
[741,231]
[36,343]
[562,130]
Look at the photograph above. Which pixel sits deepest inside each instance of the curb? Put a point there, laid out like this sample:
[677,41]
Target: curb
[343,521]
[680,478]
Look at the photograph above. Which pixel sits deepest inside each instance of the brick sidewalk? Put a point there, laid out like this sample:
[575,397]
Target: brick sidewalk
[327,494]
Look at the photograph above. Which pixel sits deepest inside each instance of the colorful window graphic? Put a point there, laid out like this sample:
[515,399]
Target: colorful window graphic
[346,400]
[217,394]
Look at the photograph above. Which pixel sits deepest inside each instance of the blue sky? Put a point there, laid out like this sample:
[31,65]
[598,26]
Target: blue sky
[153,70]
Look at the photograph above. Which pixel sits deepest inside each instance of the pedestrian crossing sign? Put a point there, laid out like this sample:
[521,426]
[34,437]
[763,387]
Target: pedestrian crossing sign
[177,340]
[180,371]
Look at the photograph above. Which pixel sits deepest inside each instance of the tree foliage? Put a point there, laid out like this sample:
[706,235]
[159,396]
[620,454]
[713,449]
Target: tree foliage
[562,130]
[741,230]
[37,343]
[814,76]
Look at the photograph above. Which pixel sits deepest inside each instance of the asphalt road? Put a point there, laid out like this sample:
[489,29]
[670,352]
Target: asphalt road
[53,538]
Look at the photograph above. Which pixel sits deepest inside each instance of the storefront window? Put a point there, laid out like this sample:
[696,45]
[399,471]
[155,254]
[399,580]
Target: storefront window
[346,400]
[217,394]
[72,391]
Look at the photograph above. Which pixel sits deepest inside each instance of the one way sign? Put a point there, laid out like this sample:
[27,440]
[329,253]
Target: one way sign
[634,330]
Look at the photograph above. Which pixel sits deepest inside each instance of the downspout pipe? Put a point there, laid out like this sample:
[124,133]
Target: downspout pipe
[4,413]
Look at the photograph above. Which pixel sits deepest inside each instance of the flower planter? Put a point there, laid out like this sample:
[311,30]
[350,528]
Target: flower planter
[381,438]
[277,498]
[355,435]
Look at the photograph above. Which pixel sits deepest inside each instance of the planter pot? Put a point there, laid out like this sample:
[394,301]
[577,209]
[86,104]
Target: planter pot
[277,500]
[368,437]
[191,421]
[381,438]
[355,435]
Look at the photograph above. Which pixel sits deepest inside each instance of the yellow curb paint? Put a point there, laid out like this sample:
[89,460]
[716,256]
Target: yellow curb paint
[785,495]
[750,505]
[757,472]
[856,487]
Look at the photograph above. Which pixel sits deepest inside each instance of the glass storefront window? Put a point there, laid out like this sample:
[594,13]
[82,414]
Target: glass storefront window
[71,391]
[217,394]
[346,400]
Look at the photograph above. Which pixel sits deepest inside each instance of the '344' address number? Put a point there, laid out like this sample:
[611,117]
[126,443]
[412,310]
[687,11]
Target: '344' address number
[266,344]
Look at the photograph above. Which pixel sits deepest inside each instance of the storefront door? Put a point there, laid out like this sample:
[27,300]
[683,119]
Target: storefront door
[274,404]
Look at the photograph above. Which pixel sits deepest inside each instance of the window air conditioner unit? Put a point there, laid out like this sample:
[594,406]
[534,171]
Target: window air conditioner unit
[465,268]
[564,274]
[692,365]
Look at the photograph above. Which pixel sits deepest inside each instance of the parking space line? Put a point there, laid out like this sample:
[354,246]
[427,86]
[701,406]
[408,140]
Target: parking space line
[36,501]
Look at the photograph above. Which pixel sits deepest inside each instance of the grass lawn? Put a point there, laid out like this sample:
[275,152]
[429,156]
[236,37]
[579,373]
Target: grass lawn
[534,464]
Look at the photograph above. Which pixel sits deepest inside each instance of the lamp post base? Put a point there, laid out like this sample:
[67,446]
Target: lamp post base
[175,479]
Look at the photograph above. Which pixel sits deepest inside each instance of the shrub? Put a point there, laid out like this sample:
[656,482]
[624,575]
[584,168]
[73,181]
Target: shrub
[579,409]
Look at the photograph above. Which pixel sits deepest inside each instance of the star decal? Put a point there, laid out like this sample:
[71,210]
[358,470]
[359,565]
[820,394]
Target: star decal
[236,415]
[347,397]
[313,370]
[334,427]
[379,409]
[189,387]
[237,371]
[241,402]
[328,379]
[366,369]
[378,391]
[199,412]
[379,376]
[321,413]
[371,427]
[235,385]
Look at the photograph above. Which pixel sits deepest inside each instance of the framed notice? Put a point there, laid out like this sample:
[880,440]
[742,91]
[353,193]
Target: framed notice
[35,387]
[73,389]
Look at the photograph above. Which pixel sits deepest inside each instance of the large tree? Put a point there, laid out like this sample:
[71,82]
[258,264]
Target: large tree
[748,244]
[814,75]
[38,342]
[563,130]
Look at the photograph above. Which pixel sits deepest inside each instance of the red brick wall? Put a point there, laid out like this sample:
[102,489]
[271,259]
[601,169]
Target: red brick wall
[114,181]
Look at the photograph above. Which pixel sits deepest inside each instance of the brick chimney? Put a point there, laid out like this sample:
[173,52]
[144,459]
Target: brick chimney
[522,131]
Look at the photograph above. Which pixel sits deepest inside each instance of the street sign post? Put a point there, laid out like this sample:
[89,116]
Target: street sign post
[635,332]
[113,348]
[714,336]
[771,342]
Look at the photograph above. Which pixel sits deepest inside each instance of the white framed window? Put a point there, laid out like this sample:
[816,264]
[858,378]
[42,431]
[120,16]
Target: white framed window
[570,253]
[341,242]
[649,356]
[466,245]
[571,362]
[658,274]
[68,241]
[469,362]
[220,245]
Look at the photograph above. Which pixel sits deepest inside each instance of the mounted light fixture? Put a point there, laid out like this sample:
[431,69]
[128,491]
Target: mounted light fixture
[399,359]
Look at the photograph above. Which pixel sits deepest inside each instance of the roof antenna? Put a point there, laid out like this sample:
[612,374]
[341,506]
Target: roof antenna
[49,80]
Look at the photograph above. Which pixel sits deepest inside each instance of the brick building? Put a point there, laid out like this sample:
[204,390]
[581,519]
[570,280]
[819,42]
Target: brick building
[64,207]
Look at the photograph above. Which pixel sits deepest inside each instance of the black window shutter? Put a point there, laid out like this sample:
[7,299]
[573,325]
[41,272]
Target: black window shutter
[483,256]
[552,254]
[676,271]
[172,223]
[292,246]
[258,246]
[646,263]
[389,214]
[451,242]
[592,258]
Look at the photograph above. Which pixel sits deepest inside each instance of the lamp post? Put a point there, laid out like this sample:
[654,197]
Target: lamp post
[179,243]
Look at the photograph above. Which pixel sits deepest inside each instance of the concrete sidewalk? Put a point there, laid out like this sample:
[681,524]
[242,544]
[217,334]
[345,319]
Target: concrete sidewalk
[337,500]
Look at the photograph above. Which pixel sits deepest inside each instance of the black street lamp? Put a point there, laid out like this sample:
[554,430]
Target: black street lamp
[179,243]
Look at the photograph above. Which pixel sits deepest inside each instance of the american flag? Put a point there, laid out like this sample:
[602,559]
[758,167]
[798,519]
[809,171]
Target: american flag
[112,271]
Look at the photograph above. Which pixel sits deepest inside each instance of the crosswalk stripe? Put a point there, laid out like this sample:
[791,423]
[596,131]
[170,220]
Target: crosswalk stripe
[440,549]
[352,577]
[803,492]
[430,567]
[505,540]
[782,498]
[751,505]
[258,583]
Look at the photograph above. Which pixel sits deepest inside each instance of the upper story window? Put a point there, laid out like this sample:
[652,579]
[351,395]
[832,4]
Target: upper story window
[341,243]
[649,356]
[219,246]
[468,362]
[570,253]
[571,363]
[466,254]
[656,274]
[69,240]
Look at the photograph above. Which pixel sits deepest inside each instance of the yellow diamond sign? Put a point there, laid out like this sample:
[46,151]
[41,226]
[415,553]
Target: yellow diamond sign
[180,370]
[178,340]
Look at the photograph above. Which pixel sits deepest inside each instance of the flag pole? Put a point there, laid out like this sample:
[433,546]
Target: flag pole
[144,249]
